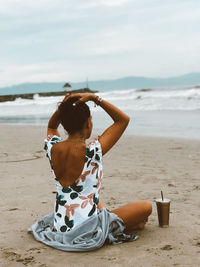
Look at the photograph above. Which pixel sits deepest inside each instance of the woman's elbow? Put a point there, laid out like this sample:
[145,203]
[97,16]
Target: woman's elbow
[125,122]
[127,119]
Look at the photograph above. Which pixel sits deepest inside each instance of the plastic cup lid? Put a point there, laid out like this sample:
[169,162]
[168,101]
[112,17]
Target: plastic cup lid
[165,200]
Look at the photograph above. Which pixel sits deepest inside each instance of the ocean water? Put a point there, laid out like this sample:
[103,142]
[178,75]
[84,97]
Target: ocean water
[167,112]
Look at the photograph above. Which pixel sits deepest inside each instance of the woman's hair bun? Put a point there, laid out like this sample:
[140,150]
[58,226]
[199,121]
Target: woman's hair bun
[73,116]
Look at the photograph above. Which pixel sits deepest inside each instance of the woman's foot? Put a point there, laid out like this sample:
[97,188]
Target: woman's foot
[140,226]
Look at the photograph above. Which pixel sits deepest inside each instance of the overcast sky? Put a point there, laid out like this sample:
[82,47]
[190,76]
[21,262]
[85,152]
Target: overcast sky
[70,40]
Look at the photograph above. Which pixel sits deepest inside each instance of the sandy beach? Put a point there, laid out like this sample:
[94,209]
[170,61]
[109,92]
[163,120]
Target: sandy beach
[136,168]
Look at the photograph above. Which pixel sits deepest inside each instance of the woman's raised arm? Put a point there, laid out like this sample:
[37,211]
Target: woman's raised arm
[53,124]
[112,134]
[54,121]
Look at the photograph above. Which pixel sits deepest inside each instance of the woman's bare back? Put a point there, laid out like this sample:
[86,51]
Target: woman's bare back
[68,159]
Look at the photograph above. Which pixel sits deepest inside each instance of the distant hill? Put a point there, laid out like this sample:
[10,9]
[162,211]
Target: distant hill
[102,85]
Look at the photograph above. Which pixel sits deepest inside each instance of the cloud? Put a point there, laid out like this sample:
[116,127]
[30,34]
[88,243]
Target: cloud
[112,3]
[97,38]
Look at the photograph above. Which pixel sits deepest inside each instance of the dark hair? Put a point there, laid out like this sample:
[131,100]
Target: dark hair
[72,116]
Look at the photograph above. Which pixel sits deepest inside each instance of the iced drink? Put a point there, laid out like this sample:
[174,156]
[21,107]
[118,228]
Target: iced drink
[163,209]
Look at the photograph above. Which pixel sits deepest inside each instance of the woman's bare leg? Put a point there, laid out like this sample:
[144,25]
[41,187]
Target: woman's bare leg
[134,214]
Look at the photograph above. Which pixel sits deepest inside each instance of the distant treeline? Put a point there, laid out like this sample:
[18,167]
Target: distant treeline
[4,98]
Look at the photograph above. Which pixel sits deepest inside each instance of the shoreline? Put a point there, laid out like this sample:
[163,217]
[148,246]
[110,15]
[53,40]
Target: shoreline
[96,131]
[172,124]
[135,168]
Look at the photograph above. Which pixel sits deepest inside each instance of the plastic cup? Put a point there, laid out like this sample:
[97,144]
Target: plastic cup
[163,209]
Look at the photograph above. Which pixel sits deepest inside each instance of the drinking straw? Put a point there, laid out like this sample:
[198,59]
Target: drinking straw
[162,195]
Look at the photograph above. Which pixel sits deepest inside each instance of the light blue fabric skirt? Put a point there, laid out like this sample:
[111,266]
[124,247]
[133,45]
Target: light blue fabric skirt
[89,235]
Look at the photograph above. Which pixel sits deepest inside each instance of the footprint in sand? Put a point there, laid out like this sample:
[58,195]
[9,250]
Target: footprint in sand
[167,247]
[176,148]
[13,209]
[13,256]
[197,244]
[32,249]
[196,187]
[171,185]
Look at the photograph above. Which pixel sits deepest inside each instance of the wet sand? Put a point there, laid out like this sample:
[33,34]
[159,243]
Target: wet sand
[136,168]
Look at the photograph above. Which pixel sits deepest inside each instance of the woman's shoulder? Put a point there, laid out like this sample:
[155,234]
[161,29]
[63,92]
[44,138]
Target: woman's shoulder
[50,141]
[52,138]
[93,150]
[94,144]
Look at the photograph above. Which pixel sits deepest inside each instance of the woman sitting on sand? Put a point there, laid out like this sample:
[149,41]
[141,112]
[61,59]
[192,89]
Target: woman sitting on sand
[80,221]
